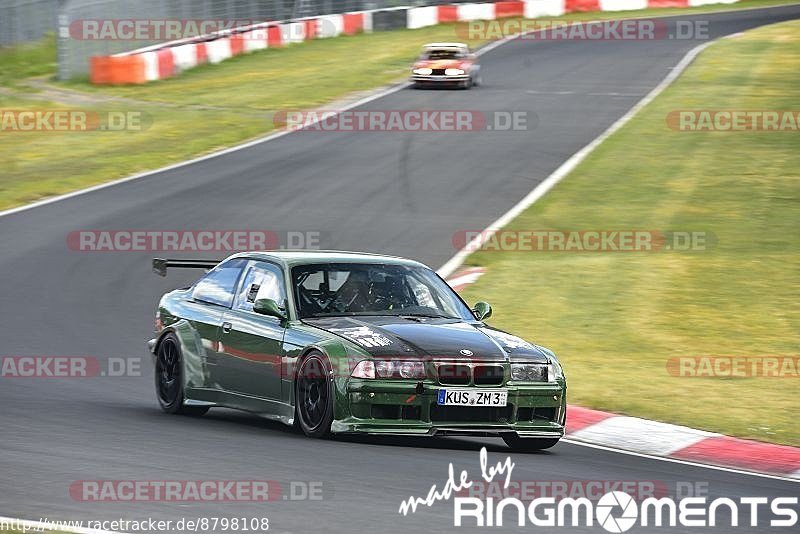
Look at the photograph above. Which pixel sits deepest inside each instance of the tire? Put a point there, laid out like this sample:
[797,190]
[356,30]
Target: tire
[529,444]
[314,397]
[169,378]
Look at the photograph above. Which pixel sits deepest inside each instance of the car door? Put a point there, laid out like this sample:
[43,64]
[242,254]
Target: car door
[253,343]
[211,297]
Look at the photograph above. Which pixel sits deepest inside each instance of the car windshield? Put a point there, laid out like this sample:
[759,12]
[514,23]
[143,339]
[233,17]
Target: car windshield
[443,53]
[330,290]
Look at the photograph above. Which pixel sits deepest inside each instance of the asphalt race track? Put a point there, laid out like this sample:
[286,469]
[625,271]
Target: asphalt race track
[389,192]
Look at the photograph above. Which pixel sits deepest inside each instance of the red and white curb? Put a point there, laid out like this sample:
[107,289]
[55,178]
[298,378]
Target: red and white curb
[680,442]
[465,278]
[654,438]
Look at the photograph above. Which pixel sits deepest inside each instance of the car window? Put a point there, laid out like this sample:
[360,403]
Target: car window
[261,281]
[436,54]
[217,287]
[327,290]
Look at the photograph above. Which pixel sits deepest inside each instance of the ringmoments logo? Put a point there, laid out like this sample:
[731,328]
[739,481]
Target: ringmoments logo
[615,511]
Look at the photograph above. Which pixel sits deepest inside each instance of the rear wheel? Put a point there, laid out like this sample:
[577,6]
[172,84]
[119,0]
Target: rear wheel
[314,397]
[529,444]
[169,378]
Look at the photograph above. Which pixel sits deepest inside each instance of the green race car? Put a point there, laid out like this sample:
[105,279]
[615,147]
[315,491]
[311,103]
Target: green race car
[342,342]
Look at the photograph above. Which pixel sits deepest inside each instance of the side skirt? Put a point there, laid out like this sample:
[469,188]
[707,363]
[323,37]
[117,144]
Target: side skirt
[268,408]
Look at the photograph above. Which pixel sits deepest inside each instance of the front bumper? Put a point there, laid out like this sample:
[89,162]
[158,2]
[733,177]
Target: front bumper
[409,408]
[417,78]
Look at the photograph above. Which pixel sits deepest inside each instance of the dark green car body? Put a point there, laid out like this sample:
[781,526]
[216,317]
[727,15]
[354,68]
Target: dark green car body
[248,360]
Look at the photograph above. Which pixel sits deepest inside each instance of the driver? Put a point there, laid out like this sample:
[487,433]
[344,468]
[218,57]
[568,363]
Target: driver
[353,295]
[389,294]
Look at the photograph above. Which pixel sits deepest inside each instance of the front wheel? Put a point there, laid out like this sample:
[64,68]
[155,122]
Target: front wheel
[314,397]
[169,379]
[529,444]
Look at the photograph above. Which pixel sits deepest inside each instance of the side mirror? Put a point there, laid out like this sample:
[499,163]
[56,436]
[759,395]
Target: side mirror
[482,310]
[269,307]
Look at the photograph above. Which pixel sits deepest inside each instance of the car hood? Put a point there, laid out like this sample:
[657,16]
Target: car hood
[398,337]
[440,64]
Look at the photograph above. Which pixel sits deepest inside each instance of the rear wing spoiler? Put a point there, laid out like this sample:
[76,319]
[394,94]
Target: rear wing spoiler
[161,265]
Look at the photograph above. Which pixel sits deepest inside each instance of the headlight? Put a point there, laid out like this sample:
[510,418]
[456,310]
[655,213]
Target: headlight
[530,372]
[404,369]
[364,369]
[454,72]
[423,71]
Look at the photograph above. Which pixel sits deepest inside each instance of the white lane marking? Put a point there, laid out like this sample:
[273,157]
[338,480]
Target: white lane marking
[379,94]
[254,142]
[683,462]
[796,474]
[41,526]
[641,435]
[568,166]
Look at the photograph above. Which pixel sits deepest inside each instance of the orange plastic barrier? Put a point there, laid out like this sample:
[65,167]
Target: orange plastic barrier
[237,44]
[274,36]
[448,13]
[353,23]
[509,9]
[311,28]
[581,5]
[117,70]
[667,3]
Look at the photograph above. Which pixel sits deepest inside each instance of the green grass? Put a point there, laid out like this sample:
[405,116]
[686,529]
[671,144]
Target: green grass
[203,110]
[26,60]
[37,165]
[616,318]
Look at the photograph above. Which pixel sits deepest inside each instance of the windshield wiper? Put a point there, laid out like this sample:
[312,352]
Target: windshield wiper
[378,314]
[428,315]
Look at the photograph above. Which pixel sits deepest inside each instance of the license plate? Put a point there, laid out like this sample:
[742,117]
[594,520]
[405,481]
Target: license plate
[472,397]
